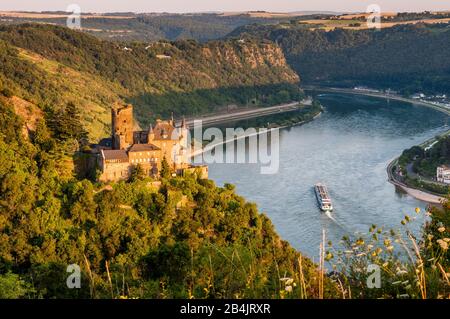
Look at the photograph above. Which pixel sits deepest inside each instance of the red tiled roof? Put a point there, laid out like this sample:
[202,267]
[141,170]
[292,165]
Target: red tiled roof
[163,131]
[143,148]
[115,155]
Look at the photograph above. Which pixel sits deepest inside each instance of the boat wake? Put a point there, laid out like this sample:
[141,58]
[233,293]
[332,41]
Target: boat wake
[328,213]
[330,216]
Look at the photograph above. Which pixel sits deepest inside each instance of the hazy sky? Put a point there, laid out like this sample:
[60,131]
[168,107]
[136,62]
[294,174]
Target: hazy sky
[223,5]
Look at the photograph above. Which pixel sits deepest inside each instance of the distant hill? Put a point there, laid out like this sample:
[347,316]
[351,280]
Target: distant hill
[150,26]
[50,66]
[406,57]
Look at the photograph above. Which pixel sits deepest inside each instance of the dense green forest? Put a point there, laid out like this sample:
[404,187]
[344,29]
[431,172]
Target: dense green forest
[408,58]
[51,66]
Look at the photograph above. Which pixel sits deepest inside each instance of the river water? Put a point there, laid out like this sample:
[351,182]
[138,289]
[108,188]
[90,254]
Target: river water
[348,148]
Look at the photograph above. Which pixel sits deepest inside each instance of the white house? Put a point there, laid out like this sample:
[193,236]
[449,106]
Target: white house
[443,174]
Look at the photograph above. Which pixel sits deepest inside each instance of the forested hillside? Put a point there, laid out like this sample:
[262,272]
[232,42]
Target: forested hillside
[186,239]
[409,57]
[51,66]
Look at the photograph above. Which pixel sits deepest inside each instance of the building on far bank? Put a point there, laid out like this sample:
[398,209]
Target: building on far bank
[443,174]
[130,148]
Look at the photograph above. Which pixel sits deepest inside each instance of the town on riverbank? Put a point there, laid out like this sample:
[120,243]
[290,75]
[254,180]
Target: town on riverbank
[424,168]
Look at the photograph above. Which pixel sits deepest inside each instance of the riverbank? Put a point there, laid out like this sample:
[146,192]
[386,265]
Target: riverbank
[273,127]
[420,194]
[414,192]
[378,95]
[248,113]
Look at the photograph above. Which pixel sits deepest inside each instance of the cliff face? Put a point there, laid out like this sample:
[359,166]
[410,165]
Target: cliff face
[159,66]
[45,58]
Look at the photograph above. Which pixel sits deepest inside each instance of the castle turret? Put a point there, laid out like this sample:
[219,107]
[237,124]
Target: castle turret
[150,135]
[122,126]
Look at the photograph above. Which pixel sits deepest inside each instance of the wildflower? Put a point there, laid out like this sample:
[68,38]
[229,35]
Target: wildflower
[387,242]
[288,288]
[443,244]
[390,248]
[430,237]
[407,218]
[289,282]
[441,229]
[446,240]
[417,210]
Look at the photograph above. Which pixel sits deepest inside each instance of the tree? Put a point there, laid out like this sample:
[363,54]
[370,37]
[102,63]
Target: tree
[66,123]
[12,287]
[137,173]
[165,168]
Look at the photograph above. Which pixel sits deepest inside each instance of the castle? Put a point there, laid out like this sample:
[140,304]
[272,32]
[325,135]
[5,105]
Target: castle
[129,148]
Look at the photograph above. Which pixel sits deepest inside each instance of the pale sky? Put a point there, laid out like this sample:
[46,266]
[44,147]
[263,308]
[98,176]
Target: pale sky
[177,6]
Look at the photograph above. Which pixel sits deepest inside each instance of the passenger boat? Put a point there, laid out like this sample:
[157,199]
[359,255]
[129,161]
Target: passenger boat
[323,198]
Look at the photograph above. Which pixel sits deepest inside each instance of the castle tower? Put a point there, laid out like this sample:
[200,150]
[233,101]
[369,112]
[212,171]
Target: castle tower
[150,135]
[122,126]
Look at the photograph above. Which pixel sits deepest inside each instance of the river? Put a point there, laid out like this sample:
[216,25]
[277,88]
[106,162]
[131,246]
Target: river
[348,148]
